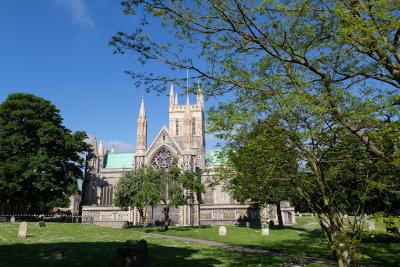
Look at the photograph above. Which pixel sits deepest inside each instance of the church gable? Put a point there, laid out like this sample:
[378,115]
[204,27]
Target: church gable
[163,139]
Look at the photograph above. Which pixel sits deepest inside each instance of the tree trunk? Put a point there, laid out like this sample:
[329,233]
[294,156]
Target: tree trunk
[346,256]
[166,218]
[279,213]
[345,253]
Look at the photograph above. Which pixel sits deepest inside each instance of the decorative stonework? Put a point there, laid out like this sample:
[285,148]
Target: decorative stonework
[184,143]
[162,159]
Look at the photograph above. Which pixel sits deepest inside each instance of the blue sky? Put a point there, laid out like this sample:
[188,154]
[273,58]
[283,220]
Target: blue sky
[57,49]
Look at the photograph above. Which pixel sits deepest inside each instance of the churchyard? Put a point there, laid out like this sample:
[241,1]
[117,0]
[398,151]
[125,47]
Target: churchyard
[90,245]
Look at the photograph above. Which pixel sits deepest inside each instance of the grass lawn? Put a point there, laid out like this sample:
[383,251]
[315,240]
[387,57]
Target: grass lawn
[302,237]
[90,245]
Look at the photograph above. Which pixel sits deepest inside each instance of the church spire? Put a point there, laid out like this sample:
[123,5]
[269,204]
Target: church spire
[94,146]
[113,148]
[171,97]
[101,149]
[142,112]
[141,131]
[199,96]
[176,99]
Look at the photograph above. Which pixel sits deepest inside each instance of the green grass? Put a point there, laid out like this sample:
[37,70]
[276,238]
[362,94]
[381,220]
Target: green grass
[89,245]
[301,237]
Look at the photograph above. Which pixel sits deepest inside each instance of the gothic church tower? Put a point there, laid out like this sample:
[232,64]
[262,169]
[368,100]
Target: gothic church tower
[186,124]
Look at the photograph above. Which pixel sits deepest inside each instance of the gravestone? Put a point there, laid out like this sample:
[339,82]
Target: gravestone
[23,229]
[132,254]
[371,225]
[248,224]
[265,230]
[58,255]
[222,231]
[42,224]
[12,219]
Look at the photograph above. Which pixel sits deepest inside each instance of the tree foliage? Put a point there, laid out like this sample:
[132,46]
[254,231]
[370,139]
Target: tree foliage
[40,159]
[259,165]
[146,187]
[341,57]
[140,188]
[328,71]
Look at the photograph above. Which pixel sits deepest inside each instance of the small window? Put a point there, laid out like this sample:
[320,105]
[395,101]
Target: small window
[176,127]
[194,126]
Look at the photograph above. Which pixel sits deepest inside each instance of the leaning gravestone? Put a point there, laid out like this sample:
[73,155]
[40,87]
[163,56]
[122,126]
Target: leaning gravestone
[12,219]
[23,229]
[42,224]
[371,225]
[265,230]
[222,231]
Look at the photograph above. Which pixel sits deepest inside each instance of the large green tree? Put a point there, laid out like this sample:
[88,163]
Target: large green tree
[267,180]
[342,57]
[321,67]
[147,187]
[140,188]
[40,159]
[334,173]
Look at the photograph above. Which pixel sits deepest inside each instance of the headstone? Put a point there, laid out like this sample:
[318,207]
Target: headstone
[132,254]
[222,231]
[371,225]
[12,219]
[42,224]
[248,224]
[23,229]
[265,230]
[59,255]
[300,215]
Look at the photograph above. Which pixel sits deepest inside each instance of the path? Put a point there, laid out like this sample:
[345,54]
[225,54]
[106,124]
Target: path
[239,248]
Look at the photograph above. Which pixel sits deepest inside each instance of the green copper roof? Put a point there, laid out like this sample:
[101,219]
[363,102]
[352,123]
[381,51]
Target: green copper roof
[212,158]
[119,161]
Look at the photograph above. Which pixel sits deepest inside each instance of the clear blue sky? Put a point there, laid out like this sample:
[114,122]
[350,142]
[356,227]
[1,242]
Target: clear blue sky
[57,49]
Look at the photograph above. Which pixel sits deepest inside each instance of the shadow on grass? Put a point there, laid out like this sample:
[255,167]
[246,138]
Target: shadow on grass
[103,254]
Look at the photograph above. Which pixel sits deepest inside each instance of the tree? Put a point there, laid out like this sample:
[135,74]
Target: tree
[341,56]
[147,187]
[140,188]
[267,179]
[180,188]
[334,173]
[321,67]
[40,159]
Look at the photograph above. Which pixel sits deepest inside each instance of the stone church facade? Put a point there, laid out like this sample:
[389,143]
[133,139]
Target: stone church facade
[183,140]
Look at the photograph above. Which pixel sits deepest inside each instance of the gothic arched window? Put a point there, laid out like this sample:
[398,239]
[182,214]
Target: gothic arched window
[162,159]
[194,126]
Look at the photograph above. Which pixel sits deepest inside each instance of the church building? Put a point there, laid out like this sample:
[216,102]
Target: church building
[183,140]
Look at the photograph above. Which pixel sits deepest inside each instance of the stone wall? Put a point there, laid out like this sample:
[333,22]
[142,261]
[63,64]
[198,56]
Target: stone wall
[228,214]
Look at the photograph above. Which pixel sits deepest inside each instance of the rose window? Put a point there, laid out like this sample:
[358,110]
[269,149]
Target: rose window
[162,159]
